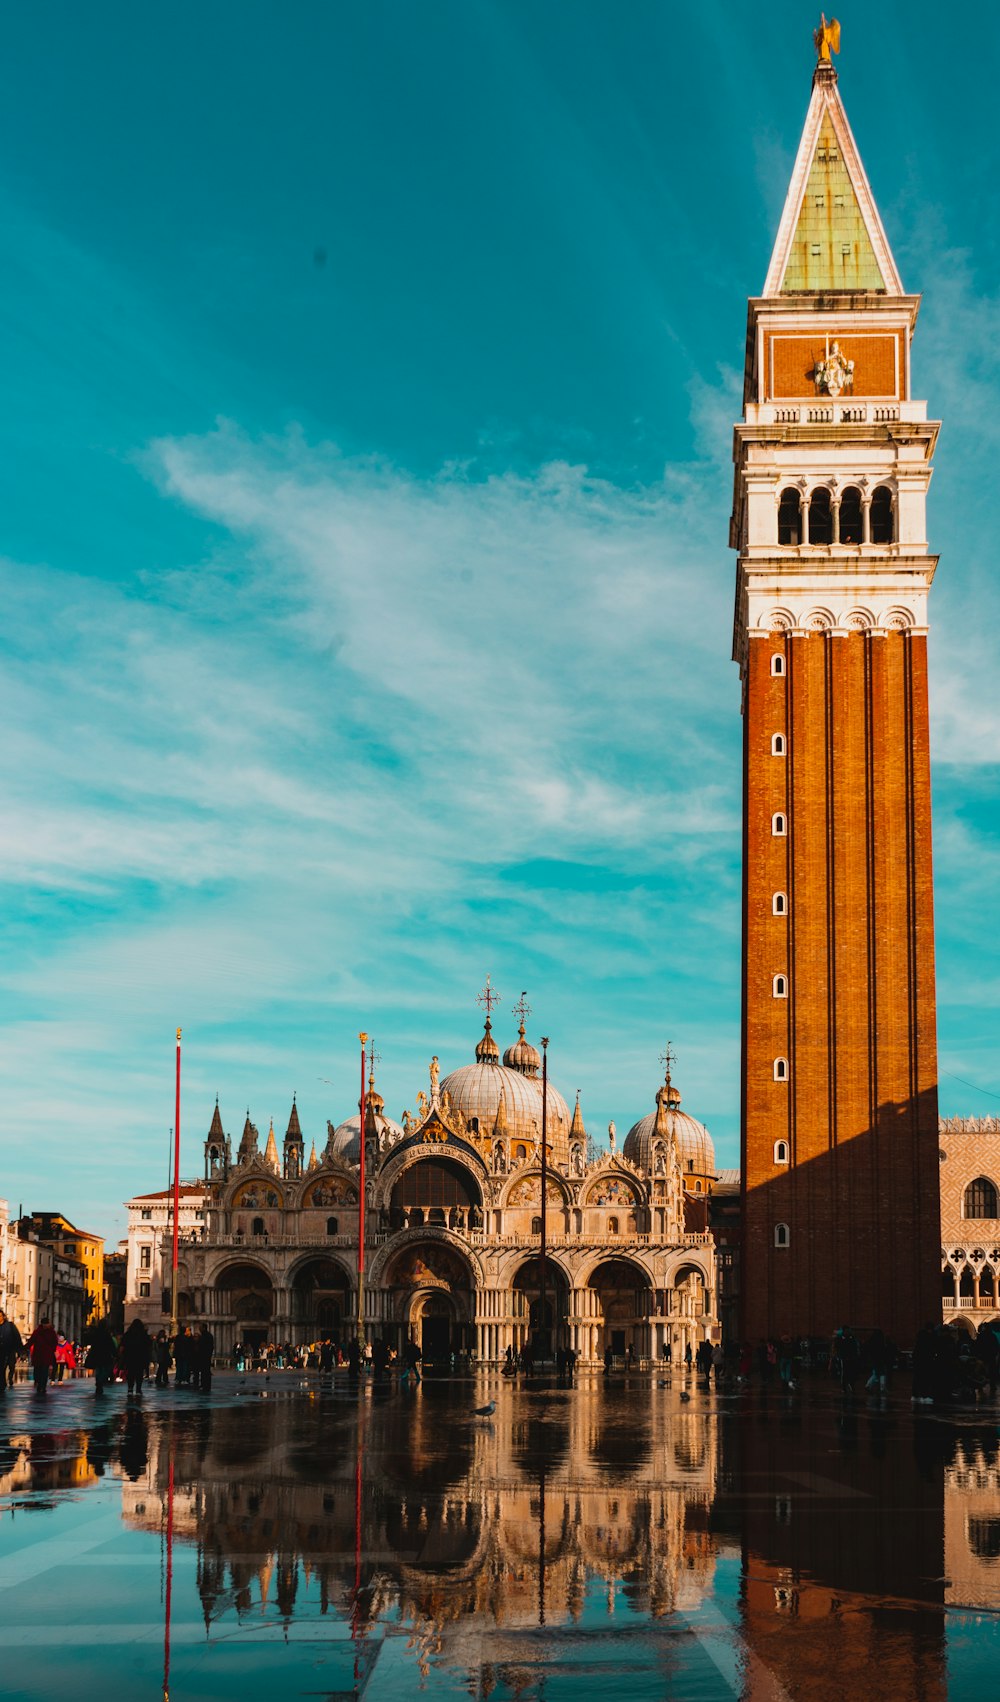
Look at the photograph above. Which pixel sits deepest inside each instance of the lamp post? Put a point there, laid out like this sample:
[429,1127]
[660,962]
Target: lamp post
[361,1202]
[177,1187]
[545,1184]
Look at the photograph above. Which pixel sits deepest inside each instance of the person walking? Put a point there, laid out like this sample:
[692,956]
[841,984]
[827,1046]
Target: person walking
[41,1345]
[204,1348]
[161,1355]
[183,1349]
[10,1346]
[136,1353]
[102,1351]
[411,1362]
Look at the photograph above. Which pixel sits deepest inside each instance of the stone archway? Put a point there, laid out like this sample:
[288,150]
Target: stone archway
[245,1305]
[542,1330]
[623,1302]
[431,1292]
[321,1302]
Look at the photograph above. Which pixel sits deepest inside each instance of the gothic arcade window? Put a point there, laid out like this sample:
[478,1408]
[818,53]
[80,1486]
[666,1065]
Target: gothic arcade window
[779,904]
[782,1235]
[258,1227]
[820,516]
[434,1182]
[790,517]
[981,1199]
[536,1226]
[779,826]
[332,1226]
[777,664]
[880,518]
[612,1226]
[781,1069]
[781,1152]
[850,515]
[984,1537]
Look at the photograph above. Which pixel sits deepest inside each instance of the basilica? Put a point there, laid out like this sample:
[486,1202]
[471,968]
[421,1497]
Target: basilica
[453,1224]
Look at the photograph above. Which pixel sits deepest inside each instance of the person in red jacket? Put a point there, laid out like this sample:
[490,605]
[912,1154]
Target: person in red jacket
[41,1345]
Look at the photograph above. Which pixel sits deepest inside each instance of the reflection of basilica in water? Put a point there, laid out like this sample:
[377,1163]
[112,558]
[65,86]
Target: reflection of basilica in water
[453,1223]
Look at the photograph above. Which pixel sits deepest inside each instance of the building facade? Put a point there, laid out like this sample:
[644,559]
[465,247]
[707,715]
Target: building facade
[149,1249]
[68,1242]
[833,461]
[453,1223]
[970,1219]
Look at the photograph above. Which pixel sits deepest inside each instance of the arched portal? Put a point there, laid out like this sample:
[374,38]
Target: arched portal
[623,1308]
[321,1302]
[246,1301]
[431,1301]
[540,1326]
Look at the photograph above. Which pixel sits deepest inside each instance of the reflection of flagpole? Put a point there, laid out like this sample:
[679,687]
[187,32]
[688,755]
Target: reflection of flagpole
[541,1543]
[168,1592]
[361,1203]
[542,1319]
[356,1604]
[177,1187]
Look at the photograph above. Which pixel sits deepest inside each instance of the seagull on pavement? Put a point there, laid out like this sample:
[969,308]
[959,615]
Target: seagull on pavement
[485,1412]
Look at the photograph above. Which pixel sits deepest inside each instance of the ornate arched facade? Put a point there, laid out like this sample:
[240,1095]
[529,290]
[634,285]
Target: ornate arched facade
[453,1200]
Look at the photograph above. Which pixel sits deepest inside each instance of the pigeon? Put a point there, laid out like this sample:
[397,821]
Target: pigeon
[487,1411]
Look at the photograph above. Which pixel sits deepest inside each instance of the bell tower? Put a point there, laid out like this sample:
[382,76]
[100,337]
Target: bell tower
[832,466]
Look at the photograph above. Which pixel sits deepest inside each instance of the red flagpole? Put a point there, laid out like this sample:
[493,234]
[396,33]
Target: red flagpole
[361,1204]
[177,1187]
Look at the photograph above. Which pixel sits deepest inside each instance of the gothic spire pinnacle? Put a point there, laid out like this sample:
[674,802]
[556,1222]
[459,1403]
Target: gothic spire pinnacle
[271,1149]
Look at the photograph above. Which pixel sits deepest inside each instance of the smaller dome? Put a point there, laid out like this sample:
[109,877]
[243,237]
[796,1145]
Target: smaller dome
[523,1056]
[694,1143]
[344,1142]
[487,1052]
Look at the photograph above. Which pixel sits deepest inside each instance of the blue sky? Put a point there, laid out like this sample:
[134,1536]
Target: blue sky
[365,472]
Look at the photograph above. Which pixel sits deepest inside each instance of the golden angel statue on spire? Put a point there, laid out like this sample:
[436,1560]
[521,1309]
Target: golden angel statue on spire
[827,38]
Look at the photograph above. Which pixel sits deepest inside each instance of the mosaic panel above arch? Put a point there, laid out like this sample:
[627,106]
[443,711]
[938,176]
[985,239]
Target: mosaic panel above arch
[256,1193]
[612,1191]
[527,1191]
[330,1191]
[429,1264]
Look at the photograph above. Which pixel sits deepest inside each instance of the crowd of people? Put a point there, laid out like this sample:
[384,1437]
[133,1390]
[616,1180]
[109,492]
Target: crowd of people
[946,1364]
[133,1358]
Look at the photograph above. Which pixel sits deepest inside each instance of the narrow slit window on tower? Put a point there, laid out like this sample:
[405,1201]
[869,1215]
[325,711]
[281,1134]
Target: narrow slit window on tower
[850,515]
[777,744]
[881,515]
[790,516]
[777,664]
[820,516]
[781,1069]
[782,1236]
[781,1152]
[779,826]
[779,904]
[779,986]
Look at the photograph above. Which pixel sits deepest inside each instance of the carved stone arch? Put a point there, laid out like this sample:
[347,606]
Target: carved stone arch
[515,1261]
[820,620]
[398,1162]
[316,1255]
[403,1238]
[613,1255]
[859,620]
[531,1173]
[608,1173]
[898,619]
[779,620]
[685,1260]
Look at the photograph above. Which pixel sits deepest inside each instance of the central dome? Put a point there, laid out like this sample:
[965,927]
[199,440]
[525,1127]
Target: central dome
[476,1090]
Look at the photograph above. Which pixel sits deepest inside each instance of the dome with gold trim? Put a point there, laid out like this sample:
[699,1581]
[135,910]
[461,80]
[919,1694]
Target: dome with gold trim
[694,1143]
[505,1099]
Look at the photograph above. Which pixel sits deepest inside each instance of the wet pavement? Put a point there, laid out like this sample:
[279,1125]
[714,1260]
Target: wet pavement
[280,1538]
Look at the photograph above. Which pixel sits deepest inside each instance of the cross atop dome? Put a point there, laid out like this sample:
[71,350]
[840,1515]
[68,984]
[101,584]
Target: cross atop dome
[488,998]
